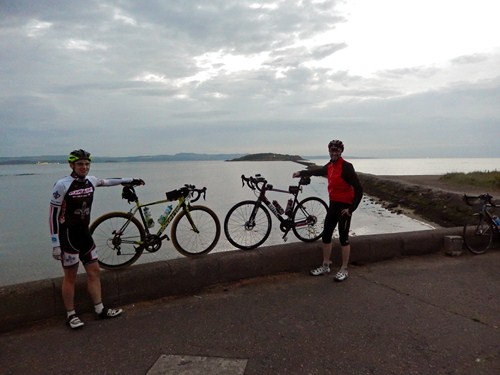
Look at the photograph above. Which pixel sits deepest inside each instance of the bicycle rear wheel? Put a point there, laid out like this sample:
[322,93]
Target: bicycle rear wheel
[309,219]
[118,237]
[195,232]
[477,237]
[247,225]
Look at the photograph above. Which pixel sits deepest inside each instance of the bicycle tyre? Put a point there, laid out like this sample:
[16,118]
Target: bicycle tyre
[188,242]
[242,235]
[477,237]
[114,251]
[312,212]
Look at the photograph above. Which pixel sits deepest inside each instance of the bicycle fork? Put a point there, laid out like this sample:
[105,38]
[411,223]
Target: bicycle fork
[190,219]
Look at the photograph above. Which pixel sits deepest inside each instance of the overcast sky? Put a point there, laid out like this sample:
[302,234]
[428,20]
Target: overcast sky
[391,78]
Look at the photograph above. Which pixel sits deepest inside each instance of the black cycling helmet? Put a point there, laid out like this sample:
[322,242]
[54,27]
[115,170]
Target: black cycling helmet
[337,144]
[80,154]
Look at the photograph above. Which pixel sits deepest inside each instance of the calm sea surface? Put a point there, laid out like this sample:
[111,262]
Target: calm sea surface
[25,250]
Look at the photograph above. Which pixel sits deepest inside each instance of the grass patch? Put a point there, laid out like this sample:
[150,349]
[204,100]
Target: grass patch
[480,179]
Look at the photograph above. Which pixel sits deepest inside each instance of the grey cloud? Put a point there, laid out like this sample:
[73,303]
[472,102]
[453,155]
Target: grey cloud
[327,50]
[52,89]
[418,72]
[470,59]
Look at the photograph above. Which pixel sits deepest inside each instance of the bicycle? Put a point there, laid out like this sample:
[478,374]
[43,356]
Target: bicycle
[479,235]
[247,224]
[121,237]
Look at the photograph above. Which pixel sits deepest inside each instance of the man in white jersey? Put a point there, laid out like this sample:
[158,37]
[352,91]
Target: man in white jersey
[70,207]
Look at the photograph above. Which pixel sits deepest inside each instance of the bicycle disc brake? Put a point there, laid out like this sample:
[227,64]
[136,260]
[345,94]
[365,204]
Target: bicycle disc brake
[152,243]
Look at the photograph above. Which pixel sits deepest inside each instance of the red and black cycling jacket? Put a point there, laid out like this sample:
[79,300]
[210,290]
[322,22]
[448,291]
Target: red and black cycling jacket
[343,182]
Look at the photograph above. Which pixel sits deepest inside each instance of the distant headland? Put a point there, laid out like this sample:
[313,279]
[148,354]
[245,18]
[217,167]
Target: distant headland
[269,156]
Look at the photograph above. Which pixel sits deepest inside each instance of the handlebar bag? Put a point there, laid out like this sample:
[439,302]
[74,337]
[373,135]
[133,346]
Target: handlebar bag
[173,195]
[177,193]
[128,194]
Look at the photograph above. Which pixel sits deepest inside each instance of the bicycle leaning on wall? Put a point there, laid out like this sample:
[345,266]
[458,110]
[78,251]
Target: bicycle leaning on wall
[121,237]
[247,224]
[478,234]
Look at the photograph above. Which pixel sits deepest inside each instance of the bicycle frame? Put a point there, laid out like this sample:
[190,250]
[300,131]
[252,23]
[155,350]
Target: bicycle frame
[139,208]
[183,203]
[286,224]
[248,223]
[478,234]
[486,215]
[484,212]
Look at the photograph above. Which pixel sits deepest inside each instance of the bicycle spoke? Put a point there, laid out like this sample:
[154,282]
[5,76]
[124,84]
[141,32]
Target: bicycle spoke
[117,238]
[196,232]
[244,230]
[477,237]
[309,218]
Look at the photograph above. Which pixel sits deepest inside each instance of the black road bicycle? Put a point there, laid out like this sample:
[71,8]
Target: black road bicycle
[121,237]
[248,223]
[478,234]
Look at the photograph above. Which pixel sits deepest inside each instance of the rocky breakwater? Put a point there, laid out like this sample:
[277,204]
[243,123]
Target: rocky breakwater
[440,206]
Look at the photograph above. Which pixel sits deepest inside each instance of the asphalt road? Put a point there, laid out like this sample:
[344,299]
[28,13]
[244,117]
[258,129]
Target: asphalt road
[430,314]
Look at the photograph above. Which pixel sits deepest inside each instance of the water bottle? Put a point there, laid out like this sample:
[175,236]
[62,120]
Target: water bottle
[165,214]
[278,207]
[149,220]
[288,209]
[272,208]
[496,219]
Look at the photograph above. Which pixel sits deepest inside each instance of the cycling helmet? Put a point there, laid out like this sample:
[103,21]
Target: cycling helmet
[337,144]
[80,154]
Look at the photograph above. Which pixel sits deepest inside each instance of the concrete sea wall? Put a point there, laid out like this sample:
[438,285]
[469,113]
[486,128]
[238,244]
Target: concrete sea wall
[25,303]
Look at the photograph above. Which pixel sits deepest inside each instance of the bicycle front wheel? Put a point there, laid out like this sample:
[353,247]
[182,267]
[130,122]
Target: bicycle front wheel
[477,237]
[309,219]
[195,231]
[247,225]
[118,237]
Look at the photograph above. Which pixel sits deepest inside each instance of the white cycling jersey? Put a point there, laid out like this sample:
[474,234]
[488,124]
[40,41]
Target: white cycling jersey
[71,201]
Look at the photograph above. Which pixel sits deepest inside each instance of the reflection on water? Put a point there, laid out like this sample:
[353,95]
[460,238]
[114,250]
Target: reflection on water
[25,250]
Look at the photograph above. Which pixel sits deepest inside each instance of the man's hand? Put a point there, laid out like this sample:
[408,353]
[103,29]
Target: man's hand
[296,174]
[346,212]
[56,253]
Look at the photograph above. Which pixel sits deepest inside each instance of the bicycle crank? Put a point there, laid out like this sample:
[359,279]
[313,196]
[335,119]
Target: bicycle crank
[152,243]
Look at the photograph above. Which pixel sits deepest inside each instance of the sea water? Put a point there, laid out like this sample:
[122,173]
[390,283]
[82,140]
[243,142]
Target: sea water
[25,249]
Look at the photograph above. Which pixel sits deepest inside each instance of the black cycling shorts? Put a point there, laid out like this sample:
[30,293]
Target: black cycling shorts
[76,245]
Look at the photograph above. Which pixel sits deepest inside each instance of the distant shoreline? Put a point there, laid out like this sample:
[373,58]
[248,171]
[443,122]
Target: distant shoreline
[62,159]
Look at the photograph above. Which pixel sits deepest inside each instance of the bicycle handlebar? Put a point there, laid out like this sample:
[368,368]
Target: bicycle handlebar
[134,182]
[258,182]
[186,191]
[128,192]
[192,191]
[486,198]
